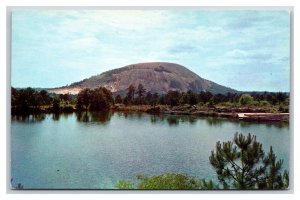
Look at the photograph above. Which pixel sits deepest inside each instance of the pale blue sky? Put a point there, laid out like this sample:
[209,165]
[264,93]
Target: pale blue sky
[244,50]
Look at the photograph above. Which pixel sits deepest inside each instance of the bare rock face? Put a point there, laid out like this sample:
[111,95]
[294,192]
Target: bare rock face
[157,77]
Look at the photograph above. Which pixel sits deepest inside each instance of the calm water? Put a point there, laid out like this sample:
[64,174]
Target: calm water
[93,151]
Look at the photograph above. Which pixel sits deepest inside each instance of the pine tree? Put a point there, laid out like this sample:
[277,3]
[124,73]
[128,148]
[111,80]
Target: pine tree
[118,99]
[83,99]
[141,93]
[242,164]
[130,94]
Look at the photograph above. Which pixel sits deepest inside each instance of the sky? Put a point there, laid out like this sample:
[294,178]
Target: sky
[244,50]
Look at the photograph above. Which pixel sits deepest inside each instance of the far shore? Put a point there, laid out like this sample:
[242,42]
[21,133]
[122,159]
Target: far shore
[246,113]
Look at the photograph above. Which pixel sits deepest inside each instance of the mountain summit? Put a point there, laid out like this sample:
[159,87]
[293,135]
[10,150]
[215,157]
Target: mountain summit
[157,77]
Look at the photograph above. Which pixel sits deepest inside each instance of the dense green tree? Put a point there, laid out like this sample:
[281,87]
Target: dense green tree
[148,97]
[173,98]
[273,179]
[192,98]
[83,99]
[108,95]
[56,105]
[183,99]
[141,91]
[118,99]
[95,99]
[14,97]
[205,97]
[24,99]
[242,164]
[155,99]
[28,100]
[101,99]
[130,94]
[246,99]
[218,98]
[65,97]
[151,99]
[280,97]
[44,97]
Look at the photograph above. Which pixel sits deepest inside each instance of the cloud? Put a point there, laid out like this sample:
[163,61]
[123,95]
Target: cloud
[236,53]
[217,45]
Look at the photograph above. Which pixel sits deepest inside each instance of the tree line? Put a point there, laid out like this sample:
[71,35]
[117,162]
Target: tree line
[139,95]
[30,100]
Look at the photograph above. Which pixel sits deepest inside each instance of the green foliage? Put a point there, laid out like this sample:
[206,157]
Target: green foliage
[94,99]
[176,98]
[208,185]
[44,97]
[264,103]
[246,99]
[124,185]
[24,98]
[172,98]
[170,181]
[189,97]
[29,100]
[83,99]
[118,99]
[101,99]
[141,94]
[56,105]
[283,108]
[205,97]
[274,179]
[242,164]
[130,95]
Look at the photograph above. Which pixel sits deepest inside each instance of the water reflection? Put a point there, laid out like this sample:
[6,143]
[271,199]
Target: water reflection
[102,117]
[172,120]
[56,116]
[29,118]
[214,121]
[156,118]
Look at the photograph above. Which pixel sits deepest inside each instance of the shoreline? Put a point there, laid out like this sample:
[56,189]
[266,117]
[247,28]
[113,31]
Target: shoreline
[245,114]
[258,117]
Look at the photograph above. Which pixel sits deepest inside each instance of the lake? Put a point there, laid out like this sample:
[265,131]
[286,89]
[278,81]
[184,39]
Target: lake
[95,150]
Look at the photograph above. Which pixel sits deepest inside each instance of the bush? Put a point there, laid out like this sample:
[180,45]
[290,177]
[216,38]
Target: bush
[169,181]
[283,108]
[264,103]
[246,99]
[124,185]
